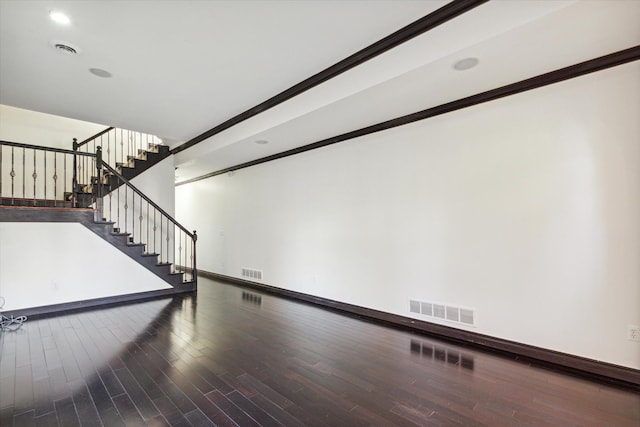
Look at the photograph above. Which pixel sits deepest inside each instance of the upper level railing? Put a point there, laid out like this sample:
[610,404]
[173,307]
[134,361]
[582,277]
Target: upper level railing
[31,175]
[118,145]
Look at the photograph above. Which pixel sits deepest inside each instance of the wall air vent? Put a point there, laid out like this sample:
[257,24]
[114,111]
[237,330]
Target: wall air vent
[414,306]
[250,273]
[453,314]
[438,311]
[427,308]
[466,316]
[446,312]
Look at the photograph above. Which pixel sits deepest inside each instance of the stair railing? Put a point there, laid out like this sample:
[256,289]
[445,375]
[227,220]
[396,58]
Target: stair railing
[119,146]
[31,175]
[133,213]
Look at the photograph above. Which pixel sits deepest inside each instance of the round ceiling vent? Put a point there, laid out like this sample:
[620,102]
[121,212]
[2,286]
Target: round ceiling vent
[64,47]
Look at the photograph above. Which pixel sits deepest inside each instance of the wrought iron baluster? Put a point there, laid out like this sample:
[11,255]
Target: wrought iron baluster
[122,145]
[118,222]
[24,170]
[154,231]
[126,206]
[64,185]
[168,249]
[133,212]
[12,174]
[45,177]
[147,239]
[34,175]
[55,179]
[179,260]
[140,218]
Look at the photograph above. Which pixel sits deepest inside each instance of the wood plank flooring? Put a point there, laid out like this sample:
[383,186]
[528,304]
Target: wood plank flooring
[233,357]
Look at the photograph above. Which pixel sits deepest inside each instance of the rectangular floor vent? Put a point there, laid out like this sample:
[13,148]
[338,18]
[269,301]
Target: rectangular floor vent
[447,312]
[252,274]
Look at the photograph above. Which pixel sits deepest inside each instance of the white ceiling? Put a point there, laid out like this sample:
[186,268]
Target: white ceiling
[182,67]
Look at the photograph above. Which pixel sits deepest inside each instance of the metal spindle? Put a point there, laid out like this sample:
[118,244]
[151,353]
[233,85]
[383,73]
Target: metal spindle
[148,240]
[12,174]
[64,190]
[24,169]
[171,250]
[133,219]
[154,231]
[126,201]
[55,179]
[140,218]
[118,221]
[179,249]
[34,175]
[45,177]
[121,144]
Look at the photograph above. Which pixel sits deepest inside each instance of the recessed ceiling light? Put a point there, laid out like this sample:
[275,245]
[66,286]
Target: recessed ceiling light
[59,17]
[262,141]
[100,72]
[465,64]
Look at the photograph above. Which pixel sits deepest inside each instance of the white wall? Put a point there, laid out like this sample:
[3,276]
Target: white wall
[157,183]
[38,267]
[140,218]
[32,127]
[525,209]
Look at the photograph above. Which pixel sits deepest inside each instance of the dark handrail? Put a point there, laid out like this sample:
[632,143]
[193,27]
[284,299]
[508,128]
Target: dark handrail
[148,200]
[80,144]
[39,147]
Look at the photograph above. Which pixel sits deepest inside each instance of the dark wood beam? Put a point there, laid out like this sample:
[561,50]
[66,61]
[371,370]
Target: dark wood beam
[422,25]
[570,72]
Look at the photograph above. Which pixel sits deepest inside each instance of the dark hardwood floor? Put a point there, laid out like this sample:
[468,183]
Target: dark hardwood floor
[231,356]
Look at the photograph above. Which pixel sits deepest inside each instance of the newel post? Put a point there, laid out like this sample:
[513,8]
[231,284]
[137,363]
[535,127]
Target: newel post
[195,270]
[74,184]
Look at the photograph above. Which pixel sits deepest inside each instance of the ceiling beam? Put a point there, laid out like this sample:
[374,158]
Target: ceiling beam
[562,74]
[422,25]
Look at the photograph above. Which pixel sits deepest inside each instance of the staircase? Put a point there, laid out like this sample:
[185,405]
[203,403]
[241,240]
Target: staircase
[133,167]
[102,198]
